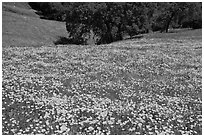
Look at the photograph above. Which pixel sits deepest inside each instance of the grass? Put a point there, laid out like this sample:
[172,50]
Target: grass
[141,86]
[22,27]
[146,86]
[178,34]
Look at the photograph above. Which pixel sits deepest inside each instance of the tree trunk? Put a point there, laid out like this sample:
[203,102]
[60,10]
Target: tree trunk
[169,21]
[119,33]
[167,26]
[107,36]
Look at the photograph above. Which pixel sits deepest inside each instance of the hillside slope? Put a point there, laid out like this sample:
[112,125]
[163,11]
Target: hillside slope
[21,26]
[132,87]
[146,86]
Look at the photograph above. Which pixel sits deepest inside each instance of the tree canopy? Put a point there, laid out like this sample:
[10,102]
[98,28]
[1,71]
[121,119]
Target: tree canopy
[105,22]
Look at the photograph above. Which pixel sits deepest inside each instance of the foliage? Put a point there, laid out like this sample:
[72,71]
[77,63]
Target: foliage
[193,17]
[105,22]
[50,10]
[108,21]
[112,21]
[146,86]
[179,14]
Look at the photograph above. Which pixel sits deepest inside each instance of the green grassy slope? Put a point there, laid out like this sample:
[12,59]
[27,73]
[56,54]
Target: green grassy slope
[22,27]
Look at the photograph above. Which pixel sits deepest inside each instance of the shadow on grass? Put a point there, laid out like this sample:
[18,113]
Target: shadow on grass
[66,41]
[63,41]
[134,37]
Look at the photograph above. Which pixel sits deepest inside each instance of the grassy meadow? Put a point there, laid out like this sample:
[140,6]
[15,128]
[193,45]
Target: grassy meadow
[151,85]
[134,87]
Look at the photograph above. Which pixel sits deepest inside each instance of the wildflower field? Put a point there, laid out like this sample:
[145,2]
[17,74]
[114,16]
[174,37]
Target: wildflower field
[134,87]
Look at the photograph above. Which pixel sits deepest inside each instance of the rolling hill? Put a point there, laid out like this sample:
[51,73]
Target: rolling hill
[146,86]
[21,26]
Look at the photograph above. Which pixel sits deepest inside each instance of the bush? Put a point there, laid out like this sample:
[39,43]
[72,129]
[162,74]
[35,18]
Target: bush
[107,21]
[194,24]
[50,10]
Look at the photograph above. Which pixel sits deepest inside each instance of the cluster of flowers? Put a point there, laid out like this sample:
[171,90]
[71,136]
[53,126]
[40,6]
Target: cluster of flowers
[112,89]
